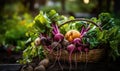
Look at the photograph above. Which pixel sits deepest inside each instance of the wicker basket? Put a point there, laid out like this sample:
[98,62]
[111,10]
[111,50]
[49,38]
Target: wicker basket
[91,56]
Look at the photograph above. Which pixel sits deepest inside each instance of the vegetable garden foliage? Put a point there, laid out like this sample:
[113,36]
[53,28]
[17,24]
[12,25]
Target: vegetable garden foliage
[110,35]
[13,29]
[43,26]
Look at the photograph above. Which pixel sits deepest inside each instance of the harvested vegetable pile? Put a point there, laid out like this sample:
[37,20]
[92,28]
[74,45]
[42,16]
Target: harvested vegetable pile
[53,33]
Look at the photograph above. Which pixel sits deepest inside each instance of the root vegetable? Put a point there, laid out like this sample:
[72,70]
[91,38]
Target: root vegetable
[70,48]
[86,49]
[57,35]
[27,68]
[56,46]
[65,43]
[77,41]
[44,62]
[80,50]
[43,40]
[37,41]
[40,68]
[72,34]
[84,30]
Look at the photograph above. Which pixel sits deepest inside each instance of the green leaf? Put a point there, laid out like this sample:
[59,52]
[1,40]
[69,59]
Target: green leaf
[52,12]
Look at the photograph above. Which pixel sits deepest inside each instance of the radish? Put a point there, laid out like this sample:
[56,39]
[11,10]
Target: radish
[65,43]
[58,55]
[56,46]
[57,38]
[86,52]
[70,48]
[84,30]
[45,40]
[80,50]
[77,41]
[57,35]
[59,61]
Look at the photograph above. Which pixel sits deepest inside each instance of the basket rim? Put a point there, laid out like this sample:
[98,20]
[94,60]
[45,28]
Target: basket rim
[81,19]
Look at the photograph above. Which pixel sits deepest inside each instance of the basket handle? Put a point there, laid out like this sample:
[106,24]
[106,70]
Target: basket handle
[81,19]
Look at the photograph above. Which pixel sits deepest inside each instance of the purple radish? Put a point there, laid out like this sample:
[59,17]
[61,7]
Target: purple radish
[57,35]
[80,50]
[86,52]
[76,41]
[84,30]
[59,61]
[70,48]
[45,40]
[86,49]
[58,55]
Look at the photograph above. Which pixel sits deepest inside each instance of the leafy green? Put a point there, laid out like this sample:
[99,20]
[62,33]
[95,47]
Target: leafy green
[42,22]
[30,52]
[106,20]
[13,29]
[110,34]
